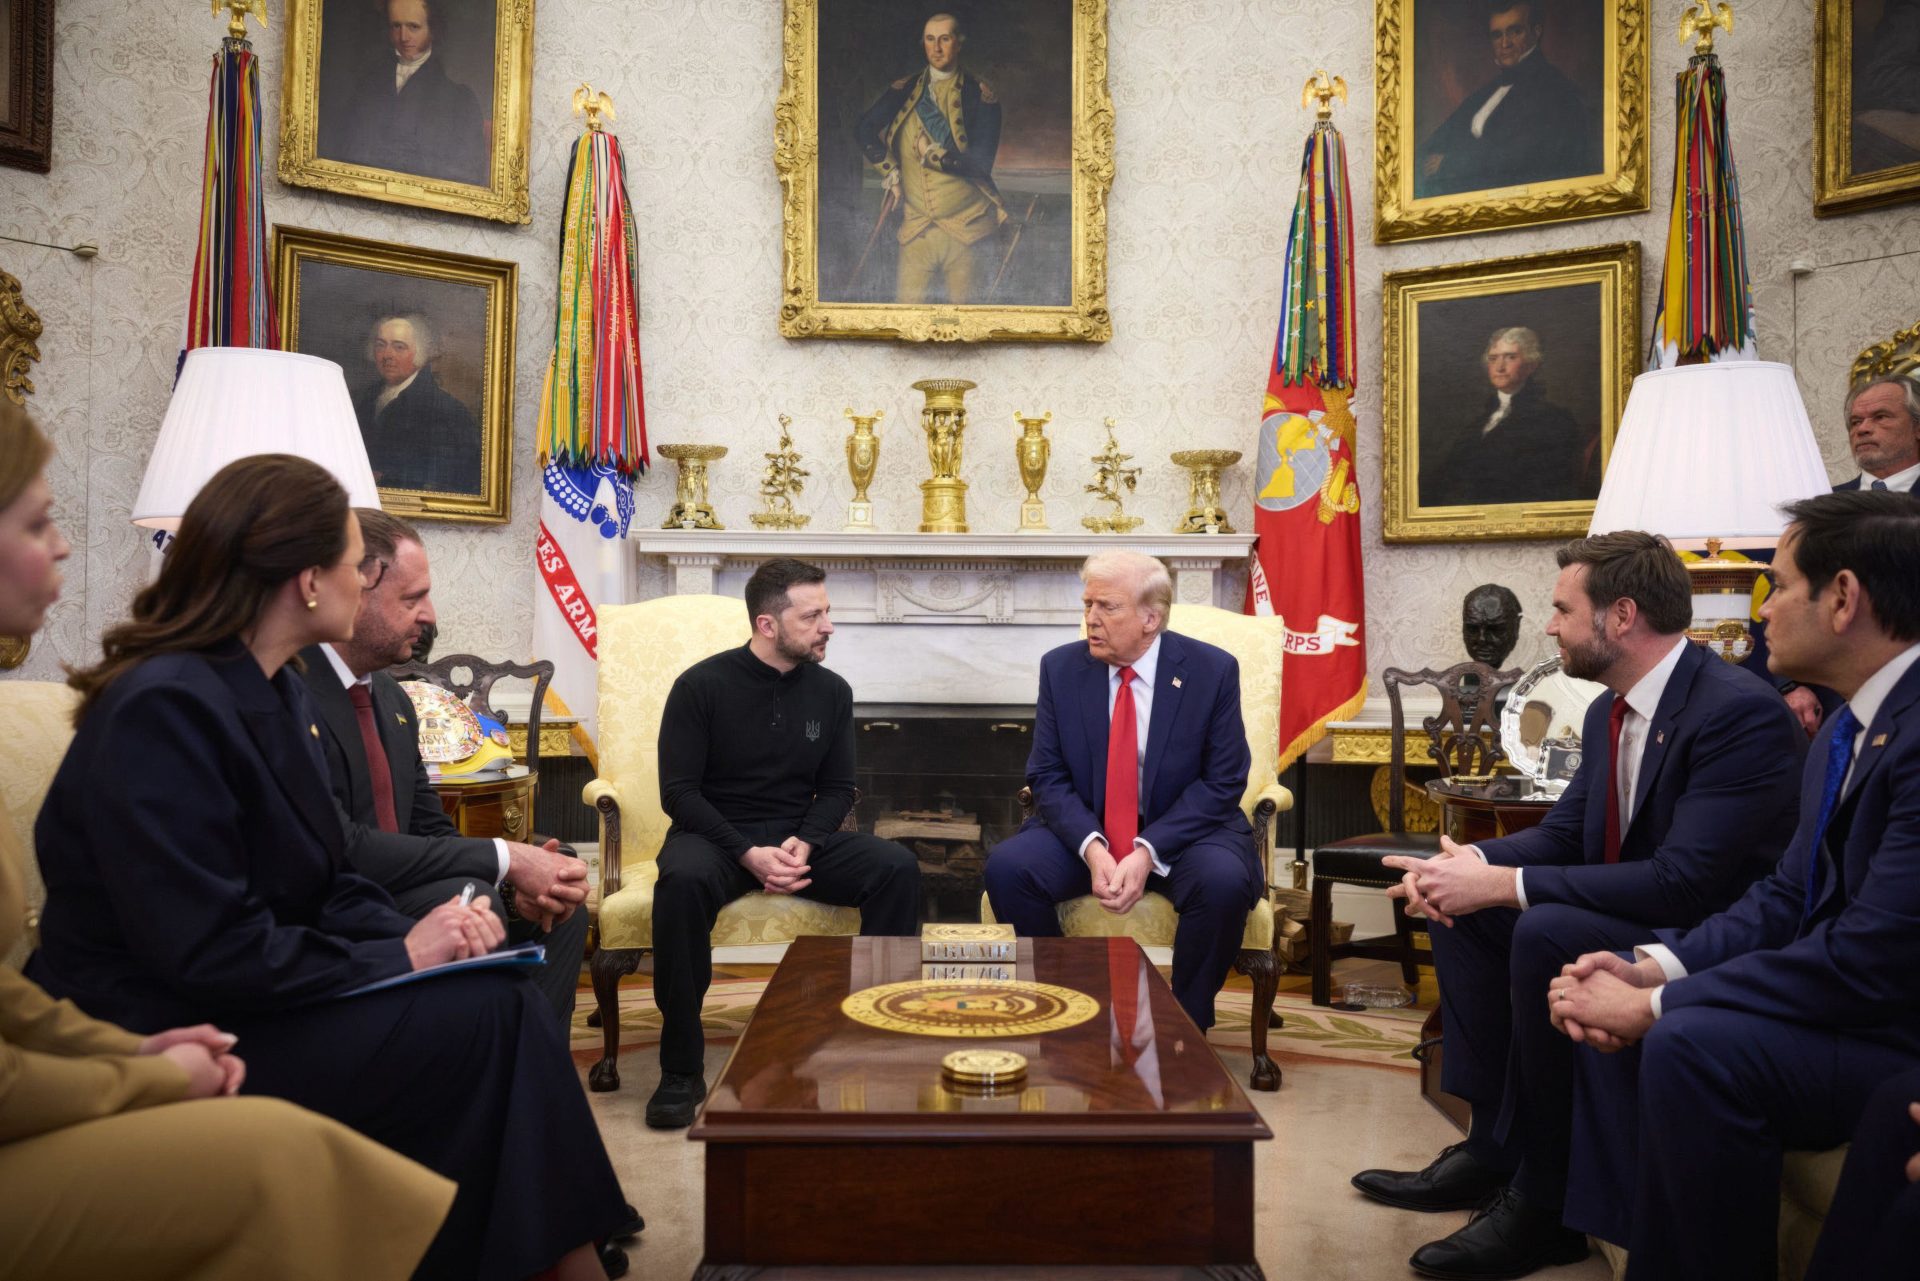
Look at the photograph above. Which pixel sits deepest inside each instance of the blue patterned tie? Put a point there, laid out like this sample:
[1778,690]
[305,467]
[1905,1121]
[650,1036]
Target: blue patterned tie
[1839,758]
[1880,485]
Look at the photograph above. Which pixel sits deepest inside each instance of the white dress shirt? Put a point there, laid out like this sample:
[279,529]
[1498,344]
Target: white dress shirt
[1500,412]
[1494,99]
[1866,705]
[403,71]
[1144,669]
[1901,482]
[349,680]
[389,394]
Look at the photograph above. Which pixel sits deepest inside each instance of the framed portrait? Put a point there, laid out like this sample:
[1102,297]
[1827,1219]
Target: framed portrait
[1490,117]
[420,102]
[26,84]
[426,339]
[1505,380]
[1866,136]
[945,169]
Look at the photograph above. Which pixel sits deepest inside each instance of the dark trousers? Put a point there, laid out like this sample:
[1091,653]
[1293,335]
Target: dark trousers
[1503,1054]
[1680,1162]
[697,879]
[1872,1231]
[1212,883]
[559,978]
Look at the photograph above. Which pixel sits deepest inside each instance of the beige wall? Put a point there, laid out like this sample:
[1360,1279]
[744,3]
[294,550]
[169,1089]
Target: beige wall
[1207,94]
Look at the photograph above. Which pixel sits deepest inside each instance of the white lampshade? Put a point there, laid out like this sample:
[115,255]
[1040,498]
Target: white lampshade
[233,402]
[1711,451]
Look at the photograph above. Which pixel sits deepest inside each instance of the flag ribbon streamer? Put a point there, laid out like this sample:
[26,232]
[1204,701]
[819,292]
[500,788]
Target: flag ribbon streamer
[591,409]
[231,302]
[1316,341]
[1705,305]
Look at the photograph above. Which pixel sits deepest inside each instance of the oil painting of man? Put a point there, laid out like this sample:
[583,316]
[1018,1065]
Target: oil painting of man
[404,98]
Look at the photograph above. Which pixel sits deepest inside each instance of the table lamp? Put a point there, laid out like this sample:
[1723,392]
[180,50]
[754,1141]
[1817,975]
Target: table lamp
[1705,455]
[232,402]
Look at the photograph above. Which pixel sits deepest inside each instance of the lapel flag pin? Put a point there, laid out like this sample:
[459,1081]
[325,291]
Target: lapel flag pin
[1660,736]
[1879,740]
[398,717]
[1176,682]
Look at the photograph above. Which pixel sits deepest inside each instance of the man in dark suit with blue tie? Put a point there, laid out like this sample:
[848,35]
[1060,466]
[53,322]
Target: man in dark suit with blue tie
[1684,799]
[1139,762]
[1883,432]
[1771,1024]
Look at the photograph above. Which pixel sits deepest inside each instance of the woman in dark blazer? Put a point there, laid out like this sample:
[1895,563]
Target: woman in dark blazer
[194,866]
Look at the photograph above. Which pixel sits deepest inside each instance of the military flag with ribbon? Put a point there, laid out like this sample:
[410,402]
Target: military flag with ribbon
[1306,561]
[231,301]
[1704,310]
[591,441]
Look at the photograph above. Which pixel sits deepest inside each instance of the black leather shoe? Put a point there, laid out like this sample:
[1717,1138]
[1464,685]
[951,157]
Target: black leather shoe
[1454,1180]
[613,1260]
[674,1103]
[630,1227]
[1507,1239]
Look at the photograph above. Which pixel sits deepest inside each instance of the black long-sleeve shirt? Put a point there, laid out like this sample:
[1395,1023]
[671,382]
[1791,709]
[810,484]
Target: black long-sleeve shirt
[743,743]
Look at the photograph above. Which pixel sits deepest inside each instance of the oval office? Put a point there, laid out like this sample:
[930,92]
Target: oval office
[1008,640]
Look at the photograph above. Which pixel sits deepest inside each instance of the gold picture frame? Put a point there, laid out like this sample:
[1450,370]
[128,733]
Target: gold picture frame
[1853,130]
[1411,117]
[1463,462]
[438,415]
[356,148]
[841,269]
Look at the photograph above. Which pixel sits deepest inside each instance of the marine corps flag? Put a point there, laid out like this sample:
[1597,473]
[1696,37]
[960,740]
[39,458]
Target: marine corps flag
[592,437]
[1704,310]
[1306,559]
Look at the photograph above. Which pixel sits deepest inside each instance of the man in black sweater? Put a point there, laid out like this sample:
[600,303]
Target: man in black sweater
[756,773]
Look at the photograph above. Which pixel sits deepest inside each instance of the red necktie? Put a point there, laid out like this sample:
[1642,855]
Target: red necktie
[1615,718]
[378,771]
[1123,984]
[1123,771]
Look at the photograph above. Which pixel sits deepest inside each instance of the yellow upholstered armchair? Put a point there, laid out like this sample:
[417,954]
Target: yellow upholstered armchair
[38,716]
[643,650]
[1260,645]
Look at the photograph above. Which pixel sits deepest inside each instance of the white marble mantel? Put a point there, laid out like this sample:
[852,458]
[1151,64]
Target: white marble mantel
[982,607]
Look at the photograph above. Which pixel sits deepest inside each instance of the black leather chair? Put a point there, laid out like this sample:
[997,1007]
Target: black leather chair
[1463,739]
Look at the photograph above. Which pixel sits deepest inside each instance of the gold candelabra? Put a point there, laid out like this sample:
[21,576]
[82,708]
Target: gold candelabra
[943,503]
[1112,480]
[863,456]
[1032,450]
[691,509]
[780,483]
[1204,514]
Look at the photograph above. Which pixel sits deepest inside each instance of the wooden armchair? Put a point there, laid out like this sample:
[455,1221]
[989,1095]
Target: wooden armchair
[1260,646]
[643,650]
[38,716]
[1463,739]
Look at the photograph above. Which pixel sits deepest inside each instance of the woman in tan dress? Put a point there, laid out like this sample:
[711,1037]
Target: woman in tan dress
[128,1156]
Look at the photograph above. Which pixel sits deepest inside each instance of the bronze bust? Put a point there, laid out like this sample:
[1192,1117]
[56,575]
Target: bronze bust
[1490,623]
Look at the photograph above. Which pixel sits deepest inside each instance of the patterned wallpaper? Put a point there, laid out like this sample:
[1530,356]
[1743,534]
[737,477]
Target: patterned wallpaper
[1207,95]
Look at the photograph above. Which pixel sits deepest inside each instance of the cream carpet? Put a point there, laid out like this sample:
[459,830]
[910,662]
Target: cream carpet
[1330,1118]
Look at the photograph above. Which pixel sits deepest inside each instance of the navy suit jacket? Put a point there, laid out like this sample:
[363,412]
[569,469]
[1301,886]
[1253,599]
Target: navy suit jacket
[1854,968]
[1196,758]
[1713,805]
[193,856]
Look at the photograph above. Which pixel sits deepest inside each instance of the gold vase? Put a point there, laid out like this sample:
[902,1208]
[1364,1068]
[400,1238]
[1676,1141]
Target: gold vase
[1032,450]
[943,503]
[1204,514]
[863,456]
[691,510]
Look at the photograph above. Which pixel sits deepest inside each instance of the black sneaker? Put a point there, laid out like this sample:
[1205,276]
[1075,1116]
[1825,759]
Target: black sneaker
[674,1103]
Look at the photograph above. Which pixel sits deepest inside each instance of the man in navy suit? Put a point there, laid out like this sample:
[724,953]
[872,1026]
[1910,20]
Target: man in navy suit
[1872,1232]
[1883,431]
[1139,762]
[1770,1024]
[1685,797]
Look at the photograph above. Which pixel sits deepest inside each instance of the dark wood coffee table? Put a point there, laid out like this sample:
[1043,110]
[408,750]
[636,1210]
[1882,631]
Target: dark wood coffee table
[835,1149]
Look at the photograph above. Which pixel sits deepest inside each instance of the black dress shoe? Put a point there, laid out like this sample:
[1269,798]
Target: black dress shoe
[674,1103]
[1454,1180]
[1507,1239]
[613,1260]
[630,1227]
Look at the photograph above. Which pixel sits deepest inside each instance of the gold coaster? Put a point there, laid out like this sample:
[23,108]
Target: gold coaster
[984,1069]
[1001,1008]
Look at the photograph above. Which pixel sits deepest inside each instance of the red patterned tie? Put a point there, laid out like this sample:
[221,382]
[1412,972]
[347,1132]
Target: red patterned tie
[378,771]
[1123,771]
[1615,718]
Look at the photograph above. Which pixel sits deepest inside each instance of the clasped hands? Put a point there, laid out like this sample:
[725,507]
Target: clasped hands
[547,884]
[453,932]
[205,1053]
[782,868]
[1117,883]
[1452,883]
[1604,1000]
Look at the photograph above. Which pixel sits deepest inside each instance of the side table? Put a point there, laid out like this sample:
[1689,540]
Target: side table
[492,807]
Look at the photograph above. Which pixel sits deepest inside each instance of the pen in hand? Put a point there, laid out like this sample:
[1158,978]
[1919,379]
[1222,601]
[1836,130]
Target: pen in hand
[466,895]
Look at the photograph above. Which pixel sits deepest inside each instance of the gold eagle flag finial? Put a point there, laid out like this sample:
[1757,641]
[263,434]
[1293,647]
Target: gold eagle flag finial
[593,104]
[1699,21]
[239,9]
[1325,88]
